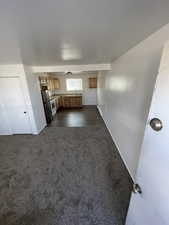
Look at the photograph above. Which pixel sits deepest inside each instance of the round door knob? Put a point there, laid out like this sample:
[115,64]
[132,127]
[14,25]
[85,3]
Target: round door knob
[24,112]
[156,124]
[137,189]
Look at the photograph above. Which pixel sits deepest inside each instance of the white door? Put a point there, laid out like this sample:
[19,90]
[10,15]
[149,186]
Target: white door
[14,114]
[152,206]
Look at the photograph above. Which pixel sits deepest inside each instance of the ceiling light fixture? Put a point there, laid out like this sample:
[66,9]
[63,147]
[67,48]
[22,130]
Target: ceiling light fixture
[68,73]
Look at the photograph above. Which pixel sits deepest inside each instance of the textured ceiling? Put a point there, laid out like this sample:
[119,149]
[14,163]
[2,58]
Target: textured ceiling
[65,32]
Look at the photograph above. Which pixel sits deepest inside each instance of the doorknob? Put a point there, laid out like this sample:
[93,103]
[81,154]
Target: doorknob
[156,124]
[137,189]
[24,112]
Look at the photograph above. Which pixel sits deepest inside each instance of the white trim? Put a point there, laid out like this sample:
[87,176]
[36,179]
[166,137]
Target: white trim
[115,143]
[11,70]
[72,68]
[39,131]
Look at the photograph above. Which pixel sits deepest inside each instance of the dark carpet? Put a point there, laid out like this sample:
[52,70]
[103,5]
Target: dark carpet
[64,176]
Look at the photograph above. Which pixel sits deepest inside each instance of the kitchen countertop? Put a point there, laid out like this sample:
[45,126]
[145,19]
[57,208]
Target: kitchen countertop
[69,95]
[72,95]
[54,97]
[65,95]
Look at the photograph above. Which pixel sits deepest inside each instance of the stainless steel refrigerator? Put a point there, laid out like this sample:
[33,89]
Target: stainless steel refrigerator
[47,106]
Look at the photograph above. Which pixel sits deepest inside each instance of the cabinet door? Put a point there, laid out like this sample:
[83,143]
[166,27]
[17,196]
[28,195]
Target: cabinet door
[76,101]
[50,83]
[67,102]
[56,83]
[60,102]
[92,82]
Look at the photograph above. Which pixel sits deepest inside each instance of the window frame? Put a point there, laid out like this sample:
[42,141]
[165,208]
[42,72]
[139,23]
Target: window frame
[76,90]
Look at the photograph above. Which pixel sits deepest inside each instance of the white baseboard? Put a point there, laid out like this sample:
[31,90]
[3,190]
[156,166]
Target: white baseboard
[38,131]
[101,114]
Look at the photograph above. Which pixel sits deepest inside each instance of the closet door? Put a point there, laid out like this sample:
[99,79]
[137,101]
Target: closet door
[14,111]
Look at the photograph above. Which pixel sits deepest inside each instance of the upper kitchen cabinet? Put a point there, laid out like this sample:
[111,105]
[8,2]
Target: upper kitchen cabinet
[43,80]
[51,83]
[56,83]
[93,82]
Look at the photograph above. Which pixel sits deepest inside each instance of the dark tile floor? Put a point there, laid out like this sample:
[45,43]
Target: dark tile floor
[64,176]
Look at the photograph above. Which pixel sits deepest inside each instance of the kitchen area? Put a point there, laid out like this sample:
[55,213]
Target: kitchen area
[64,93]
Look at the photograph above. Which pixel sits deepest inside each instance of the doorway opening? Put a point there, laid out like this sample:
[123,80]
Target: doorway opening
[69,98]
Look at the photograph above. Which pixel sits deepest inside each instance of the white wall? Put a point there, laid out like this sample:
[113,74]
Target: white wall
[39,119]
[89,94]
[124,95]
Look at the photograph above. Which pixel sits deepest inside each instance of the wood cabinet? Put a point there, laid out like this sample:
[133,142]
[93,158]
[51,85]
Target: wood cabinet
[43,80]
[56,83]
[60,102]
[93,82]
[50,82]
[71,101]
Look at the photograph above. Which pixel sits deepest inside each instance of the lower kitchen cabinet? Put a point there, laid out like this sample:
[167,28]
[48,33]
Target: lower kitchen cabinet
[71,101]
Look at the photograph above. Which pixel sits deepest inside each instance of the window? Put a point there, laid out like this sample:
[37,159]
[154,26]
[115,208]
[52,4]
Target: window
[74,84]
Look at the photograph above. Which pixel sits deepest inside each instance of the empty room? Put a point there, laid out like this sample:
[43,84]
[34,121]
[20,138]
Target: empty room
[84,92]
